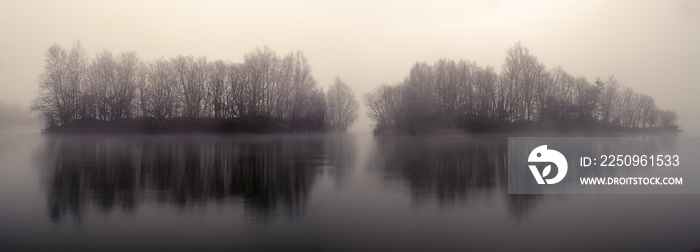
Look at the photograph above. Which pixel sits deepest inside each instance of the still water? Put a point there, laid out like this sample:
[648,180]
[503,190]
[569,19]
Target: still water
[335,192]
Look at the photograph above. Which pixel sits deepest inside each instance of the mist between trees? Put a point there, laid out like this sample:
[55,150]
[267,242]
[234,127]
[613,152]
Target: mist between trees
[525,96]
[121,93]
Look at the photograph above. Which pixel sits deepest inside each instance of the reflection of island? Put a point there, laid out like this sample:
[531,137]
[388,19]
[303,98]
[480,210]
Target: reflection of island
[341,153]
[450,171]
[447,171]
[464,169]
[270,175]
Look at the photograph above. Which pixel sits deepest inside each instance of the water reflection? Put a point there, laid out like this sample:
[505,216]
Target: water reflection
[268,175]
[343,193]
[450,170]
[447,171]
[85,170]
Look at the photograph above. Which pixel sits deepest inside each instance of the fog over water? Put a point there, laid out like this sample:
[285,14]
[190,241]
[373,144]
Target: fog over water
[309,192]
[347,191]
[649,46]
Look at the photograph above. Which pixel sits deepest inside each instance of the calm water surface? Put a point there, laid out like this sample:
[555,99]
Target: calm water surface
[336,192]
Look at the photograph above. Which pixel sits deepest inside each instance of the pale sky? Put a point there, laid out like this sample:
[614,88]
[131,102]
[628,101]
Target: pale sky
[650,46]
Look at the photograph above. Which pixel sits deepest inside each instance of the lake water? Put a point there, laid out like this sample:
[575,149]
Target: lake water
[336,192]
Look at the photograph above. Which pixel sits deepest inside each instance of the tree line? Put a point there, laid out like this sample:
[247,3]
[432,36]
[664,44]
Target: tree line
[264,92]
[525,95]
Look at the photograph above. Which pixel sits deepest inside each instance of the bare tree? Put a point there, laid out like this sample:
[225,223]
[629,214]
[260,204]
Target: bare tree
[217,89]
[384,105]
[586,96]
[418,104]
[127,82]
[77,78]
[190,75]
[447,81]
[609,100]
[667,118]
[544,92]
[521,72]
[315,113]
[259,66]
[143,101]
[485,93]
[302,86]
[162,90]
[103,88]
[648,111]
[238,85]
[55,96]
[342,107]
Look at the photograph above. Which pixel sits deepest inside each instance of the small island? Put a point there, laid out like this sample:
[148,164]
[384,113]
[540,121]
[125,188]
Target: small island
[122,94]
[525,96]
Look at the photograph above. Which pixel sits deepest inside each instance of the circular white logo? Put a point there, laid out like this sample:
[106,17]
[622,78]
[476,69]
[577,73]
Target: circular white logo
[543,155]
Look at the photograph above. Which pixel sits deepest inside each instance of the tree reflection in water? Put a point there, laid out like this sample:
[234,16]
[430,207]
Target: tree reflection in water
[451,170]
[271,175]
[268,175]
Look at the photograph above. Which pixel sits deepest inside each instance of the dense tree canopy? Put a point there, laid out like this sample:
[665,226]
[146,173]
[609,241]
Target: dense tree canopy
[525,95]
[265,91]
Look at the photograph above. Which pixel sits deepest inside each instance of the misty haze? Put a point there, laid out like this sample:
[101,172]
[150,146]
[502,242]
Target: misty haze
[343,126]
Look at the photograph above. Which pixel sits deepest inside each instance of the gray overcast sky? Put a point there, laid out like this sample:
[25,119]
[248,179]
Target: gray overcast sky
[651,46]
